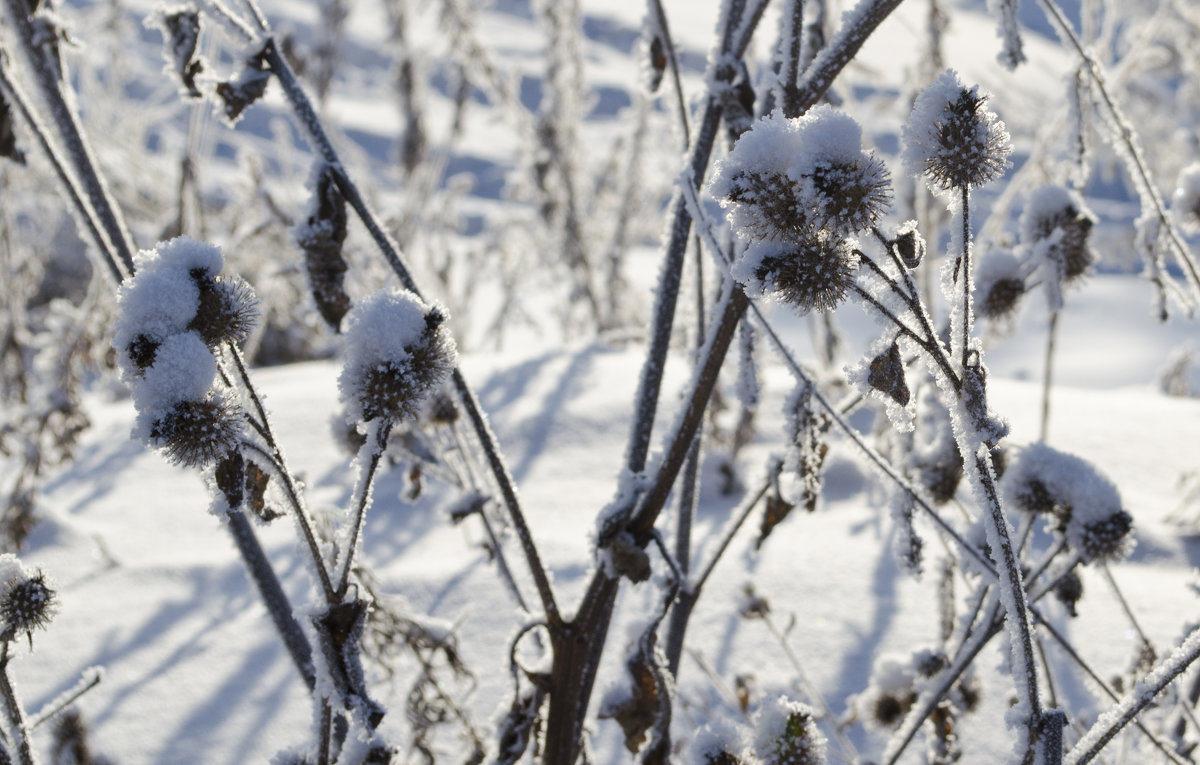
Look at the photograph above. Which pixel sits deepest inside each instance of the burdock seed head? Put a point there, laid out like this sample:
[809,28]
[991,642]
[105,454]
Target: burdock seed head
[27,601]
[998,285]
[953,139]
[786,734]
[228,308]
[814,274]
[398,352]
[198,433]
[1055,227]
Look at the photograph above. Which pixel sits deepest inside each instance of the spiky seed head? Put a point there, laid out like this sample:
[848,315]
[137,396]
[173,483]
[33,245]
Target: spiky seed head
[1104,539]
[786,734]
[1069,591]
[1056,225]
[142,352]
[953,139]
[198,433]
[851,194]
[228,308]
[766,207]
[398,352]
[815,274]
[889,708]
[28,603]
[1002,298]
[909,245]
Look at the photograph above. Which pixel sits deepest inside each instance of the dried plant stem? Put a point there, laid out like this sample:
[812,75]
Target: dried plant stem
[866,16]
[18,730]
[46,67]
[1136,700]
[1133,620]
[1047,377]
[273,596]
[372,451]
[303,522]
[689,593]
[308,118]
[87,216]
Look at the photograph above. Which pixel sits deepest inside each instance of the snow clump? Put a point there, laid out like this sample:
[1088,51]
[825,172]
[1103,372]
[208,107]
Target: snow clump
[1084,506]
[397,353]
[174,312]
[786,734]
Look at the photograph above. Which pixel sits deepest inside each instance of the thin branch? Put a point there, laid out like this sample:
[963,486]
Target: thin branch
[372,450]
[1141,696]
[87,215]
[15,713]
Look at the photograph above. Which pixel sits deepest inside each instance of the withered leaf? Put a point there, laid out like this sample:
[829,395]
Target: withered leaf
[886,375]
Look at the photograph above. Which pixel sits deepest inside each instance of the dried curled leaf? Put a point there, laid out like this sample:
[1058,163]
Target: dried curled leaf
[256,489]
[656,63]
[183,30]
[647,702]
[777,508]
[886,375]
[322,238]
[250,85]
[8,136]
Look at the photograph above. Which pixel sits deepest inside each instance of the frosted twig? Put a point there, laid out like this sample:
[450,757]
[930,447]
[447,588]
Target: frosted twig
[18,729]
[278,461]
[47,74]
[1142,694]
[371,452]
[87,215]
[88,680]
[858,24]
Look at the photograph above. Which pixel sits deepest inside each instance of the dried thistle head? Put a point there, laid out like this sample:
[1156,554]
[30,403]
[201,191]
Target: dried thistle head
[27,602]
[814,274]
[788,179]
[198,433]
[953,139]
[1055,227]
[999,285]
[397,352]
[228,308]
[786,733]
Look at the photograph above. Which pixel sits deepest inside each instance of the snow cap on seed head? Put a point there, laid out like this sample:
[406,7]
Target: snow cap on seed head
[397,352]
[786,734]
[952,138]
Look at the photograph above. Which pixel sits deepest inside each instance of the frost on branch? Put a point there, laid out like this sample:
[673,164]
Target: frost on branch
[174,312]
[1082,505]
[952,138]
[795,191]
[398,352]
[1012,53]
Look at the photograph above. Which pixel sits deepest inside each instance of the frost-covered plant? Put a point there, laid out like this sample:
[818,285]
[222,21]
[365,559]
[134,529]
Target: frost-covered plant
[175,312]
[797,190]
[397,353]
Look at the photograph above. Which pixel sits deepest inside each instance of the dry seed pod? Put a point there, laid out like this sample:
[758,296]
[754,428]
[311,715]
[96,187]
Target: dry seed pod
[8,137]
[952,138]
[909,245]
[322,238]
